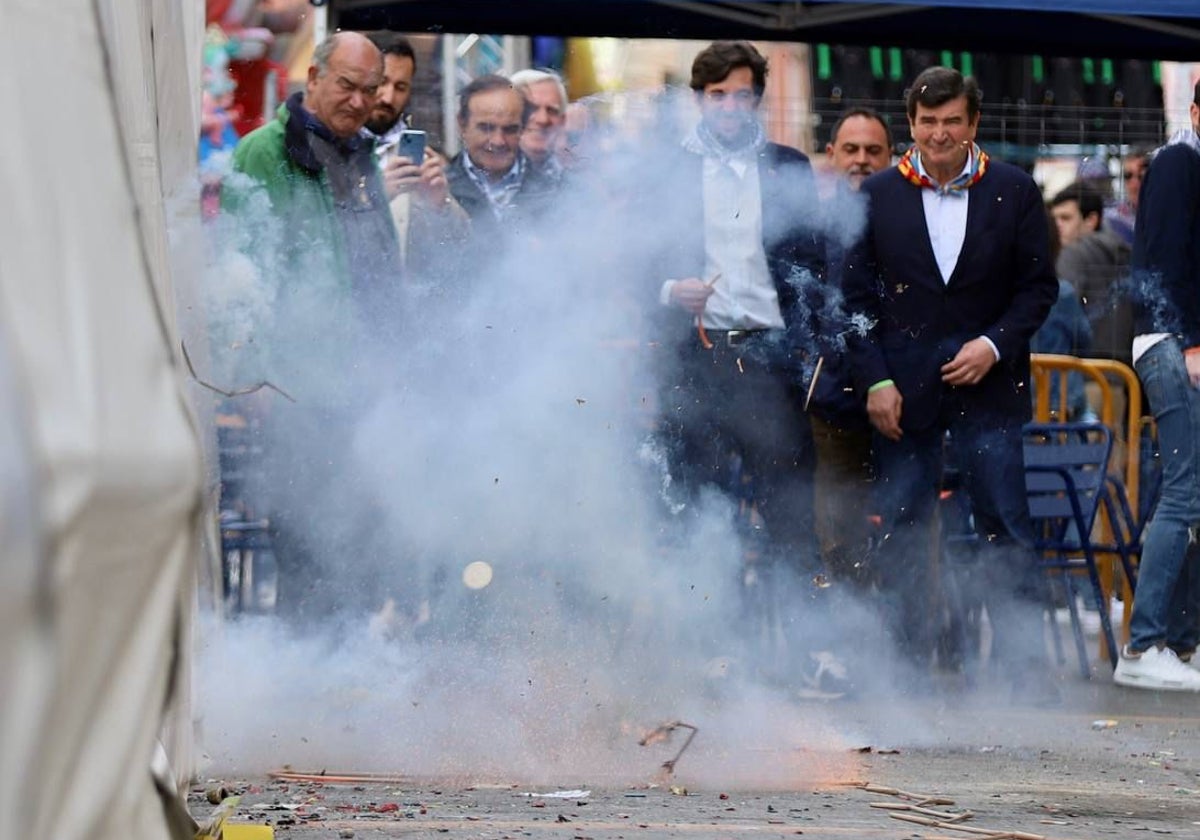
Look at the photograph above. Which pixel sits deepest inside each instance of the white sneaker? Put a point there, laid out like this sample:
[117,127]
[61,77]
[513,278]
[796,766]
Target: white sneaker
[1155,669]
[1193,662]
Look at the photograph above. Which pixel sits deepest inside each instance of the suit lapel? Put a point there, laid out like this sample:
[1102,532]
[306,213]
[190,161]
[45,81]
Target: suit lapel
[913,208]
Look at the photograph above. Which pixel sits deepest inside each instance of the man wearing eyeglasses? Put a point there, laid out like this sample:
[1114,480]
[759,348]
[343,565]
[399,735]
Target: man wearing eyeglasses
[743,246]
[543,135]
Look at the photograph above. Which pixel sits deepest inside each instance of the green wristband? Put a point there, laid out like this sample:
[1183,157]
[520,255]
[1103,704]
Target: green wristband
[883,383]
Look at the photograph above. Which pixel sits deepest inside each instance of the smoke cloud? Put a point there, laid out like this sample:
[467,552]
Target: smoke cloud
[503,580]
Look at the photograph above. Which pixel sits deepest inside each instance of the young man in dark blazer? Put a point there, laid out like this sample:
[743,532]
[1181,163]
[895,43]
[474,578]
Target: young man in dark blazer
[950,280]
[740,248]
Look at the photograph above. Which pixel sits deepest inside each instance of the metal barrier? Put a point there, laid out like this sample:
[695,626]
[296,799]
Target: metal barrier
[1050,405]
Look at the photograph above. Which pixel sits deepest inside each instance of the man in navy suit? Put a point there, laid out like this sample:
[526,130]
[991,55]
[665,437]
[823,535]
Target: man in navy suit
[950,280]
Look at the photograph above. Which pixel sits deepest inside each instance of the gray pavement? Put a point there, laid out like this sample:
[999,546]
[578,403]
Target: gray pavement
[1107,762]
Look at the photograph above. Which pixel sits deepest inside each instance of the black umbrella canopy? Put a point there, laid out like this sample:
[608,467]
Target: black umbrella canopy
[1159,29]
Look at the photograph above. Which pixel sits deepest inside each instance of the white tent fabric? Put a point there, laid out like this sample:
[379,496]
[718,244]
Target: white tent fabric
[98,452]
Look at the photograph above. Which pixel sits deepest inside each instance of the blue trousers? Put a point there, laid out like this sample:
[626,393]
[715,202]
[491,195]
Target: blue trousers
[1166,608]
[988,453]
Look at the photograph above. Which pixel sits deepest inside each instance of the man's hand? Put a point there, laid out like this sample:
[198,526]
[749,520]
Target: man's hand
[1192,363]
[691,294]
[400,175]
[974,360]
[434,189]
[883,407]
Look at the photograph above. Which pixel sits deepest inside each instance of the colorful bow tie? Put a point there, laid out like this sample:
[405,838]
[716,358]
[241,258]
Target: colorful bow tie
[964,181]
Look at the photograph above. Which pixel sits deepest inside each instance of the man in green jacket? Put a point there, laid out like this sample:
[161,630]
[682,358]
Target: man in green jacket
[306,205]
[313,208]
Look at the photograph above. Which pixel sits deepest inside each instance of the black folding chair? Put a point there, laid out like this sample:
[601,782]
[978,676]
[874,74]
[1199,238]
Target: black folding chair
[1067,482]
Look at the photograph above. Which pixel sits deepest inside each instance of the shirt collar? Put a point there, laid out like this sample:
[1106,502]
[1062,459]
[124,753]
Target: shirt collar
[920,165]
[512,176]
[390,137]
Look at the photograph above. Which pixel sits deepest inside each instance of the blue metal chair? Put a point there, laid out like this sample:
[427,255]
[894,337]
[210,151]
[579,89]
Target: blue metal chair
[245,536]
[1067,483]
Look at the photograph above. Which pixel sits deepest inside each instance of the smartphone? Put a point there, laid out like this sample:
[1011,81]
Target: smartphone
[412,145]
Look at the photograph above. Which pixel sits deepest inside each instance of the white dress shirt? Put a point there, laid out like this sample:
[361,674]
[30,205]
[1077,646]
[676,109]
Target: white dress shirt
[946,221]
[744,296]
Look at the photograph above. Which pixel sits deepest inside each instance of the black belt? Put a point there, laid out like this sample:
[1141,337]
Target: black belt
[735,338]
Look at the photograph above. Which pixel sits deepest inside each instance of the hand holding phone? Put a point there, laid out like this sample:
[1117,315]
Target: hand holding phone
[412,145]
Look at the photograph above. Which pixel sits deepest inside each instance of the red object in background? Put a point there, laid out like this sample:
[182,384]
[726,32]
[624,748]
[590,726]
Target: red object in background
[251,76]
[214,10]
[249,98]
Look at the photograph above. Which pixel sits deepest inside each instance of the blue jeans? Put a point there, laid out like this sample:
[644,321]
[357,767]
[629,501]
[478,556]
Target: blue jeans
[988,453]
[1167,603]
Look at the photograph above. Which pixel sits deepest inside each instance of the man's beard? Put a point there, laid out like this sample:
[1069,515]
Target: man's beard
[380,127]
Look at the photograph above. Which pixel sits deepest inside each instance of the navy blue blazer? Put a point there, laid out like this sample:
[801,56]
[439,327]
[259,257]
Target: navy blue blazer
[1166,246]
[907,322]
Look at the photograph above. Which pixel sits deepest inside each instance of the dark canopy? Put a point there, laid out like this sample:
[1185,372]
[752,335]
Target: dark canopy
[1162,29]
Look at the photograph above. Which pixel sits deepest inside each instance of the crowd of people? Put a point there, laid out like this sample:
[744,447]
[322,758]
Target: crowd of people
[840,331]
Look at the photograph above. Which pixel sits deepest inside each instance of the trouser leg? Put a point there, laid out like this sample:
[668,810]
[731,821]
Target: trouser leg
[1176,406]
[992,462]
[909,477]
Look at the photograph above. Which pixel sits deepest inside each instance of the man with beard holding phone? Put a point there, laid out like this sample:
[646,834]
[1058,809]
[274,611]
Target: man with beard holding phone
[425,214]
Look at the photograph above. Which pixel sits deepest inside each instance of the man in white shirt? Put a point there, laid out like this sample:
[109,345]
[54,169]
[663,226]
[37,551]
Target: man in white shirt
[734,317]
[950,281]
[425,215]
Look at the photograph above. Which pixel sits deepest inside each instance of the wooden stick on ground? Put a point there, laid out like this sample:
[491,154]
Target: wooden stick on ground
[919,798]
[990,833]
[339,778]
[1004,836]
[929,812]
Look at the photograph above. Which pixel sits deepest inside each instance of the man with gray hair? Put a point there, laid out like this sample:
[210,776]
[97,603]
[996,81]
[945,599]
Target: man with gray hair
[312,214]
[492,178]
[321,177]
[547,98]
